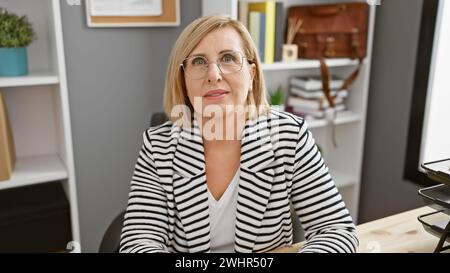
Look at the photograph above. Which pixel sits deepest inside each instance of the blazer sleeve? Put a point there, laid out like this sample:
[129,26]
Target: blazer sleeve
[145,227]
[323,215]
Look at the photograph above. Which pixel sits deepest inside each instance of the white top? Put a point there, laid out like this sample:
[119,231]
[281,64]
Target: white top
[223,217]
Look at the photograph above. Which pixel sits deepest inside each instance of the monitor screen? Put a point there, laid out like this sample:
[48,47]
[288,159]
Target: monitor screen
[436,127]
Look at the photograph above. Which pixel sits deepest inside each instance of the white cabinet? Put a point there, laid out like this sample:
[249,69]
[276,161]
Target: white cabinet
[38,107]
[345,160]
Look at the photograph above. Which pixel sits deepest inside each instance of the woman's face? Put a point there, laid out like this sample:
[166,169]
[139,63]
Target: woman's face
[217,88]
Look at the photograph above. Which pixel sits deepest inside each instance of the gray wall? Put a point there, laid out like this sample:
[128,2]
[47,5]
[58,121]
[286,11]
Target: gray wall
[115,78]
[384,191]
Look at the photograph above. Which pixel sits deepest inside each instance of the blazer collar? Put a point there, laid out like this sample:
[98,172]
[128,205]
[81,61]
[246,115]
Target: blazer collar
[256,147]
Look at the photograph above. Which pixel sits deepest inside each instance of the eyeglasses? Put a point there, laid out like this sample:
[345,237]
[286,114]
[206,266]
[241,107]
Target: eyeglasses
[228,62]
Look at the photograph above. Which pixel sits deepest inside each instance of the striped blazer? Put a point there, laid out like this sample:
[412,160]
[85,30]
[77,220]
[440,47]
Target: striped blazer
[280,167]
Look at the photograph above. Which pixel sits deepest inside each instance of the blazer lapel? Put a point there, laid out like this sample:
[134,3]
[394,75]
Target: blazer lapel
[190,189]
[255,183]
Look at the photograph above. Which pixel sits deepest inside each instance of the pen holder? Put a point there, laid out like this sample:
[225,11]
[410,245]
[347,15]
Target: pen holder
[290,52]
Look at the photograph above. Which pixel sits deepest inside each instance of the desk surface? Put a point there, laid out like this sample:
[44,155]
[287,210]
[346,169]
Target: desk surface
[398,233]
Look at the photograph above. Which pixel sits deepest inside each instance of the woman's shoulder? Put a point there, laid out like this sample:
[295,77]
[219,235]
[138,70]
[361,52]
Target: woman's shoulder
[286,119]
[162,131]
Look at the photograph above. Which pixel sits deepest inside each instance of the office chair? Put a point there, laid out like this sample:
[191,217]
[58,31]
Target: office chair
[111,239]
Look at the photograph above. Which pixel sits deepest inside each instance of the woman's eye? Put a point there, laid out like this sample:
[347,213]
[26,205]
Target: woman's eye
[228,58]
[198,61]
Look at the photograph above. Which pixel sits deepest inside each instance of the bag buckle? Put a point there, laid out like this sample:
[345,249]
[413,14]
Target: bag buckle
[330,44]
[355,42]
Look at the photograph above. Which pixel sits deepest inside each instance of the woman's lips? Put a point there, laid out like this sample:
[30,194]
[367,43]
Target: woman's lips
[215,94]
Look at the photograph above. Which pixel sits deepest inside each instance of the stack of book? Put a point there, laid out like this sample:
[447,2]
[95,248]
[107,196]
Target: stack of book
[306,97]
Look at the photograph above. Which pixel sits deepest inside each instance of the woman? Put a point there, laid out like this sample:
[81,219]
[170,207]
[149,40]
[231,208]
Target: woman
[221,174]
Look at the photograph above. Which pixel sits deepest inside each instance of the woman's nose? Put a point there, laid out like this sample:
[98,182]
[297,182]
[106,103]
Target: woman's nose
[213,74]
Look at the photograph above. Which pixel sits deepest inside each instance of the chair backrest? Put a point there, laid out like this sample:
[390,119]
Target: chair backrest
[158,119]
[111,239]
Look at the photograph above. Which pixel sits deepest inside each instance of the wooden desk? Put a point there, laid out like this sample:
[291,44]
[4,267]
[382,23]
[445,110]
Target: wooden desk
[398,233]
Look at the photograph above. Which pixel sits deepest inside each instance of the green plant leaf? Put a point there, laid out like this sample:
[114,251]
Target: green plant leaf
[277,97]
[15,31]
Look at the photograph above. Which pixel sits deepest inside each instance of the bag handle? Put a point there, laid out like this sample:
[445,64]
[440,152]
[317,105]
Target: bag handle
[328,10]
[353,76]
[325,73]
[327,92]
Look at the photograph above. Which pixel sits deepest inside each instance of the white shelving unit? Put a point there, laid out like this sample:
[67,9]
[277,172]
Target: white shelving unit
[36,169]
[345,160]
[307,64]
[38,107]
[30,80]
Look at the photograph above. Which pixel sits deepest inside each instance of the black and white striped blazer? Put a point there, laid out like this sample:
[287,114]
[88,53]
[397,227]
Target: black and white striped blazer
[280,165]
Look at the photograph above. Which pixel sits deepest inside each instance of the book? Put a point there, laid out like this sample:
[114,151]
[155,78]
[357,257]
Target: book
[279,31]
[253,27]
[303,112]
[262,37]
[313,104]
[317,94]
[269,9]
[315,82]
[341,113]
[7,148]
[243,13]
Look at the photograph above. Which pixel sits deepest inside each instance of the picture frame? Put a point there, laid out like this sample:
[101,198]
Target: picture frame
[168,16]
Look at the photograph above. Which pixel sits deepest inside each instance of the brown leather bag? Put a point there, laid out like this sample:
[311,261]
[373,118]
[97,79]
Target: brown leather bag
[332,31]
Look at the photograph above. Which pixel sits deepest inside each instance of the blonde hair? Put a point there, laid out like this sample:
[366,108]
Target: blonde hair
[175,92]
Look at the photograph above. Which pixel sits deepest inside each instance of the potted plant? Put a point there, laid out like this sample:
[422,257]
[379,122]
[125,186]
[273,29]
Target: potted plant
[277,99]
[16,33]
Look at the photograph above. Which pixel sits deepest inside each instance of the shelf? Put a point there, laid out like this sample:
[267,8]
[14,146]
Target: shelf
[39,103]
[342,118]
[350,126]
[34,170]
[29,80]
[341,179]
[305,64]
